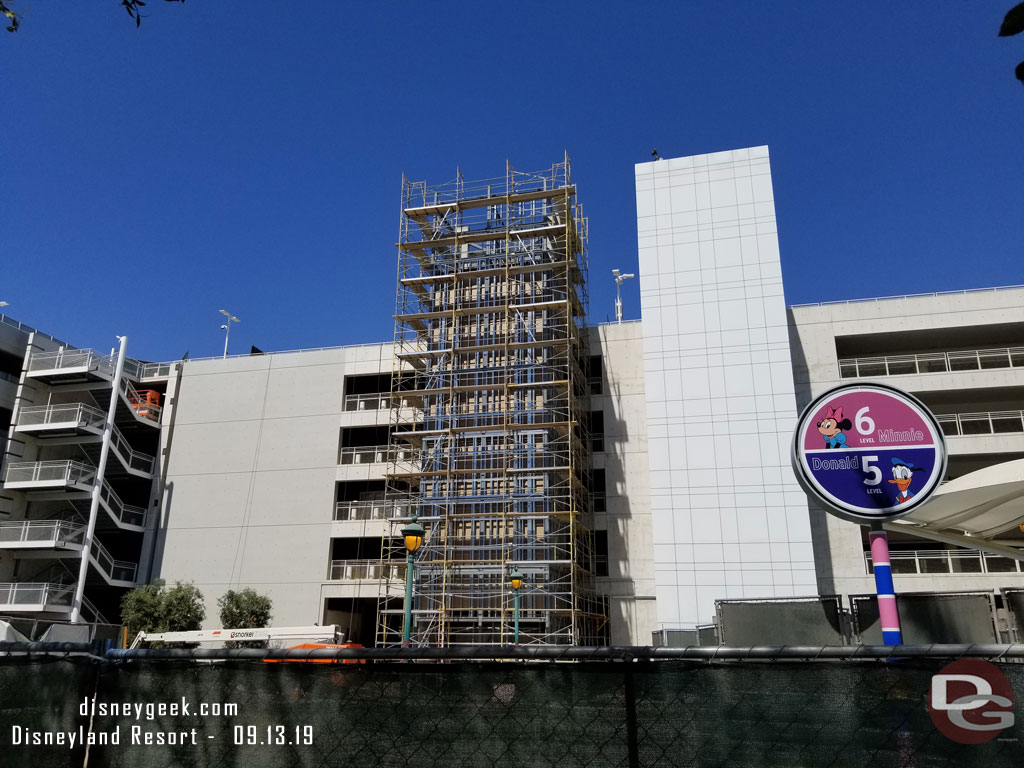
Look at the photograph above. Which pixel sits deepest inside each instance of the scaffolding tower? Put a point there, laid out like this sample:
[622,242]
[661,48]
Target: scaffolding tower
[490,407]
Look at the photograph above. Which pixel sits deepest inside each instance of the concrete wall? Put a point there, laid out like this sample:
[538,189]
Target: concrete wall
[630,581]
[250,474]
[729,519]
[958,319]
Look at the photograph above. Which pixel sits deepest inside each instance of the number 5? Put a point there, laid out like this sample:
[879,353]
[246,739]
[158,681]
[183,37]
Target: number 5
[865,424]
[876,473]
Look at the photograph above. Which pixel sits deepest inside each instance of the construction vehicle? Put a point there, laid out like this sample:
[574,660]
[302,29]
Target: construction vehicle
[312,638]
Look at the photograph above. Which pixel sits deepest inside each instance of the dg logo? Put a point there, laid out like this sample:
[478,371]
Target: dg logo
[971,701]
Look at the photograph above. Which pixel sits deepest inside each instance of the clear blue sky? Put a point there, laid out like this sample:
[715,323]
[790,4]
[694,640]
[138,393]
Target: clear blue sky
[250,155]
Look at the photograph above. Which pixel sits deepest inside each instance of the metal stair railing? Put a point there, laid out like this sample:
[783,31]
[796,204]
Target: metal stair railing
[72,358]
[142,409]
[79,413]
[121,512]
[111,569]
[57,531]
[128,456]
[71,472]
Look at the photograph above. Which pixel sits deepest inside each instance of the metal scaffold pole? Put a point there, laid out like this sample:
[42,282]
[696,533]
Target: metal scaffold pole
[490,398]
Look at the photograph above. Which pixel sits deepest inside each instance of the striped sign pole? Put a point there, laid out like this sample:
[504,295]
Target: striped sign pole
[888,615]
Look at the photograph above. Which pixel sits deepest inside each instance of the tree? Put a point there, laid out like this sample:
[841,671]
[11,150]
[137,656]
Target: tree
[1013,24]
[134,8]
[142,609]
[154,608]
[183,608]
[247,608]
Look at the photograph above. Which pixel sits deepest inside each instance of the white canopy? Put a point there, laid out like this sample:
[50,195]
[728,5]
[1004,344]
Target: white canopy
[977,510]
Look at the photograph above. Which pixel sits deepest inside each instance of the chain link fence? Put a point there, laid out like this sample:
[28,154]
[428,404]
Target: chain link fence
[760,707]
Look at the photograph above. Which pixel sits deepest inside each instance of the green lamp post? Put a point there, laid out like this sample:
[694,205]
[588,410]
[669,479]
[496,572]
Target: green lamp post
[413,535]
[517,582]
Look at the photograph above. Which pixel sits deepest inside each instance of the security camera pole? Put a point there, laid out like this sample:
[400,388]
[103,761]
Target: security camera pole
[619,277]
[227,328]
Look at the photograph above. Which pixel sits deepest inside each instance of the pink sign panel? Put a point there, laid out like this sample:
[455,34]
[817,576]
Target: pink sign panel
[868,452]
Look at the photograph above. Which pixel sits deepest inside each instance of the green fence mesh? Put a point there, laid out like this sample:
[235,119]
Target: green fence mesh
[614,713]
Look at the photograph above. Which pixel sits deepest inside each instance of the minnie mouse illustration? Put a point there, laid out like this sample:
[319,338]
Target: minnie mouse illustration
[832,426]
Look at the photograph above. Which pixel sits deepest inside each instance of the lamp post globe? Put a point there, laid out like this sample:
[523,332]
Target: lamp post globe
[517,582]
[413,537]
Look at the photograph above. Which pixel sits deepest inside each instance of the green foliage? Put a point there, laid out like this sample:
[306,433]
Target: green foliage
[154,608]
[1013,24]
[134,8]
[183,608]
[247,608]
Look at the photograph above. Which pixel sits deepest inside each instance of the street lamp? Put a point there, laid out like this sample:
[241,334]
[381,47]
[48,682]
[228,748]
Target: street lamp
[619,277]
[227,328]
[413,535]
[517,581]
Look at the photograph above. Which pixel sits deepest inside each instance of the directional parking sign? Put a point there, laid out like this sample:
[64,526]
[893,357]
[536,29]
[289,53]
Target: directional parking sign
[868,452]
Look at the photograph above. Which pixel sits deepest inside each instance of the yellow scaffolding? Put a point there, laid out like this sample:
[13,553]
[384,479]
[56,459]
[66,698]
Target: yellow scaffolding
[489,406]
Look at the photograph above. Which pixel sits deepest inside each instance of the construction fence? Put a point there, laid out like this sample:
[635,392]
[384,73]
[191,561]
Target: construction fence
[602,707]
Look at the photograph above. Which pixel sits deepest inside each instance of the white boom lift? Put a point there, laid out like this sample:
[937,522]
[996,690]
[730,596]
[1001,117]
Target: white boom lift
[276,637]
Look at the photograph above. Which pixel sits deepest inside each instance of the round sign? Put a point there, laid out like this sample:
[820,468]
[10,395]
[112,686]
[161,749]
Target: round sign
[868,452]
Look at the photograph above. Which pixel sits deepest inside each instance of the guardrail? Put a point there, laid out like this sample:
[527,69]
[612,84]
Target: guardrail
[71,358]
[140,462]
[20,326]
[79,413]
[70,472]
[958,561]
[37,593]
[370,510]
[932,362]
[361,570]
[962,292]
[377,401]
[141,407]
[982,423]
[58,531]
[116,570]
[371,454]
[126,513]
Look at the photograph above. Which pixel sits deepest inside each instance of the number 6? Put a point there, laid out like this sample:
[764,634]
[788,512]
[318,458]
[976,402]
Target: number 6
[865,424]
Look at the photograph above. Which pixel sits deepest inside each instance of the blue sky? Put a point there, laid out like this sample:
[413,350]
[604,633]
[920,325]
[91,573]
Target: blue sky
[250,155]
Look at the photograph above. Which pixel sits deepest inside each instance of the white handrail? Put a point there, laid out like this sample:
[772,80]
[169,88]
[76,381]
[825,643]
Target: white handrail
[71,472]
[927,561]
[985,420]
[115,570]
[71,358]
[961,292]
[370,510]
[361,570]
[85,415]
[932,362]
[119,509]
[142,408]
[133,459]
[60,531]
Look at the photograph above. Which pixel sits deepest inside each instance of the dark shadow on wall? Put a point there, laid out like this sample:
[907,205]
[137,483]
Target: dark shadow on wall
[616,438]
[818,517]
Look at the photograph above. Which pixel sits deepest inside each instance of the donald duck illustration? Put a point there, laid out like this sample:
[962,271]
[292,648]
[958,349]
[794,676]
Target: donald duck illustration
[902,474]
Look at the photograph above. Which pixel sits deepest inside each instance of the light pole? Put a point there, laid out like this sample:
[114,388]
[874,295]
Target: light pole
[517,581]
[227,328]
[619,277]
[413,535]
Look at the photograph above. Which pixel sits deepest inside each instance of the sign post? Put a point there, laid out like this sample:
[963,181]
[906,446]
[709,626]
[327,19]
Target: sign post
[870,453]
